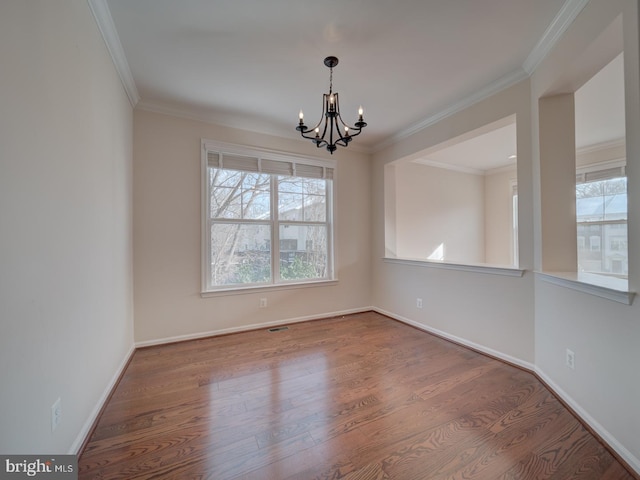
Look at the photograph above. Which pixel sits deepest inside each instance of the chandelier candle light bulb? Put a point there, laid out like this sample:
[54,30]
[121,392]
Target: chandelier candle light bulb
[331,120]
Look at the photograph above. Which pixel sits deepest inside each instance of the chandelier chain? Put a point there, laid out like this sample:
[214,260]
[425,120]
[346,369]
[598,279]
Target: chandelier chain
[330,79]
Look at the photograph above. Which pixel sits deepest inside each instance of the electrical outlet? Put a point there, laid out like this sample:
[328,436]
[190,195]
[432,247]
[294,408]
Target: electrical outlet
[571,359]
[56,414]
[418,302]
[263,302]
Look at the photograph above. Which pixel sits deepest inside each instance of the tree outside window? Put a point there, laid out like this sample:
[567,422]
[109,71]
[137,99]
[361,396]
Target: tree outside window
[248,212]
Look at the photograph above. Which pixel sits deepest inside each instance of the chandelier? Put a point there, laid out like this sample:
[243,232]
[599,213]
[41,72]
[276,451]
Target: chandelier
[331,130]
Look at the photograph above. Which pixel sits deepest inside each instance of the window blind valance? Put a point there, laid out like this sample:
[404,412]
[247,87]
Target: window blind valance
[602,174]
[295,168]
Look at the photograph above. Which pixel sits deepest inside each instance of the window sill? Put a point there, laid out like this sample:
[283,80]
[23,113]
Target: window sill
[266,288]
[476,268]
[614,289]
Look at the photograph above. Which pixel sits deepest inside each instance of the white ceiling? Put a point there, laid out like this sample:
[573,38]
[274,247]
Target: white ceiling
[494,146]
[253,64]
[599,117]
[599,106]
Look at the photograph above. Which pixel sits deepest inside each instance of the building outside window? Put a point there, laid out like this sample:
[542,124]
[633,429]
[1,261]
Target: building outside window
[601,212]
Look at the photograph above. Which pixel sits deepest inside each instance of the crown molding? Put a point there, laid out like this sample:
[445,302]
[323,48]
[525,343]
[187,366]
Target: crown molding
[177,111]
[511,167]
[211,119]
[462,169]
[482,94]
[567,14]
[599,147]
[102,16]
[555,30]
[450,166]
[564,18]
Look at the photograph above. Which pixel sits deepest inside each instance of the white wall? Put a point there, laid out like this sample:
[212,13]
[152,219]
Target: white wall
[66,283]
[167,236]
[466,216]
[604,335]
[437,208]
[527,318]
[498,227]
[605,385]
[491,311]
[65,223]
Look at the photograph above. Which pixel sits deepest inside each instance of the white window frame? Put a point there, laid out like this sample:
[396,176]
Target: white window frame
[290,162]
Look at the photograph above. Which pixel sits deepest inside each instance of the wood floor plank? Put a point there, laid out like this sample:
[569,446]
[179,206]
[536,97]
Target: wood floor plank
[322,461]
[442,444]
[352,397]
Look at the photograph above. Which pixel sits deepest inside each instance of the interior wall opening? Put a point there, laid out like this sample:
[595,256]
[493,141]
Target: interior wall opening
[601,182]
[457,201]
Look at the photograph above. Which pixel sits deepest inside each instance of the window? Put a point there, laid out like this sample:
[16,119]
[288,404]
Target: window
[601,212]
[255,200]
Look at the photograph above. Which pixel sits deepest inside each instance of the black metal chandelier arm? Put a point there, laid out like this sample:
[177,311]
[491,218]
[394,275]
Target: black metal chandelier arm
[304,130]
[340,134]
[352,131]
[313,133]
[314,138]
[345,136]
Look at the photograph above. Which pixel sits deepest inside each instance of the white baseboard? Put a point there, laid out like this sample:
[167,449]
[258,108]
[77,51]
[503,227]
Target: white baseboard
[611,441]
[462,341]
[244,328]
[587,419]
[88,424]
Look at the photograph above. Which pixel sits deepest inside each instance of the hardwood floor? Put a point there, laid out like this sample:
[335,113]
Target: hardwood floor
[360,397]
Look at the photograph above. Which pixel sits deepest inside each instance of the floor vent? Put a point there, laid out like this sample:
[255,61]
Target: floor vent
[278,329]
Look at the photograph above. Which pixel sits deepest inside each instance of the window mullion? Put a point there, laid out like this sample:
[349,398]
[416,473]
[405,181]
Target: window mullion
[302,223]
[209,260]
[328,201]
[275,231]
[604,222]
[235,221]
